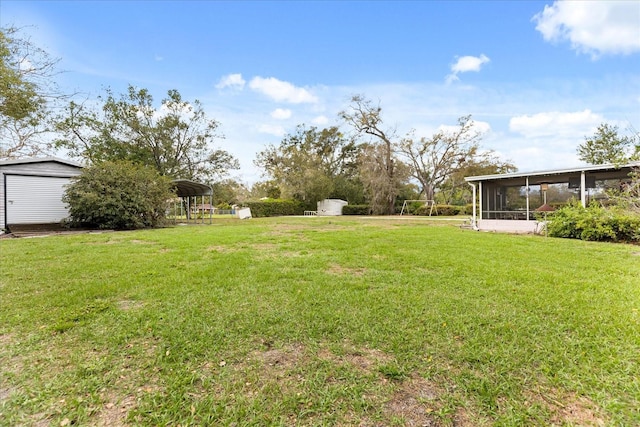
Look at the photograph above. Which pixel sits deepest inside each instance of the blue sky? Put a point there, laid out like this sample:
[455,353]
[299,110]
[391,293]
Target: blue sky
[537,76]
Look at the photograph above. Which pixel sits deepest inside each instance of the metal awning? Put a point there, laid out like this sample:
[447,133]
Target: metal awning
[187,188]
[560,174]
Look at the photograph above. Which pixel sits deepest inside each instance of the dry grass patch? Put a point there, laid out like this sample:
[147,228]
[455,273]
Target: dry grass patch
[126,305]
[221,249]
[339,270]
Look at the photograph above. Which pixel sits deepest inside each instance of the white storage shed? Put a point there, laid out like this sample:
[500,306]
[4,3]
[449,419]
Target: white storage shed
[331,207]
[31,190]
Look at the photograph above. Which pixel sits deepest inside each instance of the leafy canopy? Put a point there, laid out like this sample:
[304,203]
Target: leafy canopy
[312,164]
[27,90]
[177,139]
[608,146]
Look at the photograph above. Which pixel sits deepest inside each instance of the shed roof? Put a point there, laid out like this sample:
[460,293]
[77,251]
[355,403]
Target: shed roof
[40,160]
[187,188]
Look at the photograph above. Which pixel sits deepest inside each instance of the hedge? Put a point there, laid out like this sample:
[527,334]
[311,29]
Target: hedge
[444,210]
[356,210]
[275,207]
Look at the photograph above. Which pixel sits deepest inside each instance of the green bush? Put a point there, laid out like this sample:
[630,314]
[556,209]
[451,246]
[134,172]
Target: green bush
[275,207]
[594,223]
[118,195]
[356,210]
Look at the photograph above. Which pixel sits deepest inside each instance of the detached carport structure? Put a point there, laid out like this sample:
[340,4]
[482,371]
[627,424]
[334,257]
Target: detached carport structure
[188,192]
[508,202]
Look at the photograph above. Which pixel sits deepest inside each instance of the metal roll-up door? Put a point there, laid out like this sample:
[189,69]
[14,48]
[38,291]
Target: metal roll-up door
[35,199]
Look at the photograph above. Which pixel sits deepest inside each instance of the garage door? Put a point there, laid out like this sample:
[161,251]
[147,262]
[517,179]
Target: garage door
[35,199]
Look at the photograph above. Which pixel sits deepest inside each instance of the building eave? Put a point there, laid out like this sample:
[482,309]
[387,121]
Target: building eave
[574,170]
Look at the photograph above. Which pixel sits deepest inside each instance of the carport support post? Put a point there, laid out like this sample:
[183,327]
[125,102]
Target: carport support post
[583,189]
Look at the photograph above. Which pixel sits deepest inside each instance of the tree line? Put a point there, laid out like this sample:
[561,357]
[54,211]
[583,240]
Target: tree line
[364,161]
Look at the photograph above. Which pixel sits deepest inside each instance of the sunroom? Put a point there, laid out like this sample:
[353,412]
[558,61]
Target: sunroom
[518,202]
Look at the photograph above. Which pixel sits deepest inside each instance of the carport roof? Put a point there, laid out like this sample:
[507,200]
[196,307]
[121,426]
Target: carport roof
[187,188]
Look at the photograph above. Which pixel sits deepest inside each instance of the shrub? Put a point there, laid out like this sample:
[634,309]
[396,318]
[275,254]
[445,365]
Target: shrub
[118,195]
[275,207]
[594,223]
[356,210]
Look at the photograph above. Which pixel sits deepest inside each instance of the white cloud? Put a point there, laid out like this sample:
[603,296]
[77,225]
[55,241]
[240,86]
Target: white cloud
[159,58]
[282,91]
[275,130]
[281,113]
[592,27]
[480,127]
[231,80]
[320,120]
[555,123]
[465,64]
[26,65]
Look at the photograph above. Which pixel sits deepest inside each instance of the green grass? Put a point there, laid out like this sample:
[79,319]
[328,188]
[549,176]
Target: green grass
[318,321]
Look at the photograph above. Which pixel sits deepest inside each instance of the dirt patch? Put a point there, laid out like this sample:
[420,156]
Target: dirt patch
[569,409]
[339,270]
[414,403]
[576,410]
[5,393]
[114,412]
[284,358]
[5,339]
[366,360]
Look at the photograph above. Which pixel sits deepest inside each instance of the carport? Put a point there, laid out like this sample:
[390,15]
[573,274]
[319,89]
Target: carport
[188,207]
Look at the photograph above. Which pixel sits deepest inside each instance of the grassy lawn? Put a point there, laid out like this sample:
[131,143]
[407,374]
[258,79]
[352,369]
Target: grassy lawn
[318,321]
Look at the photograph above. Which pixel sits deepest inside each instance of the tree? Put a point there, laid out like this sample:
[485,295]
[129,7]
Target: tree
[311,164]
[229,192]
[177,138]
[27,91]
[378,163]
[436,159]
[381,189]
[118,195]
[607,146]
[269,189]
